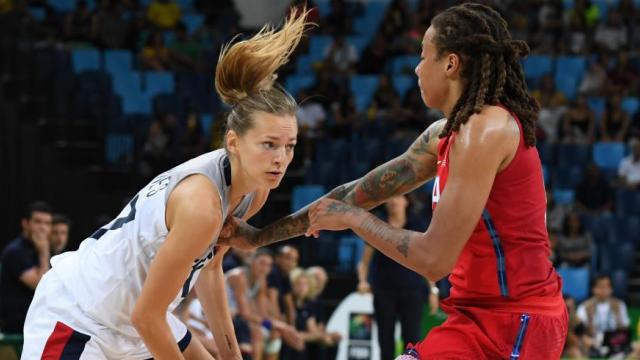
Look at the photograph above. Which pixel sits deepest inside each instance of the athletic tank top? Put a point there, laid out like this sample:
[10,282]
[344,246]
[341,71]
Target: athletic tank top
[250,294]
[107,272]
[505,263]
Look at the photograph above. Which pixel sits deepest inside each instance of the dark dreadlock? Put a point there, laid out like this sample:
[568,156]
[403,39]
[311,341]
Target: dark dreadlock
[490,64]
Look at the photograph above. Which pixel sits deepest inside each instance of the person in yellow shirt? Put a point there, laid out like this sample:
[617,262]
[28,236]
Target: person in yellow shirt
[164,14]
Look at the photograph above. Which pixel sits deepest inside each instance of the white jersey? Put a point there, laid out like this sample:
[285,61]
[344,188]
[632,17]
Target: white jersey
[107,272]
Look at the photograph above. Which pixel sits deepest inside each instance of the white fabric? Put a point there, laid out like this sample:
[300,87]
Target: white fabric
[604,319]
[630,170]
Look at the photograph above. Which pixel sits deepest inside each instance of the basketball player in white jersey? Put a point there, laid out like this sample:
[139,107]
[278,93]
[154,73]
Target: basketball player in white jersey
[113,297]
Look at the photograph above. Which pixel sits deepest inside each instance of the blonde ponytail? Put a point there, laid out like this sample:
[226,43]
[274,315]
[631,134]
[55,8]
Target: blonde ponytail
[248,67]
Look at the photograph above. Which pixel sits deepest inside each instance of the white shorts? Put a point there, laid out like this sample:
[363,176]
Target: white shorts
[56,328]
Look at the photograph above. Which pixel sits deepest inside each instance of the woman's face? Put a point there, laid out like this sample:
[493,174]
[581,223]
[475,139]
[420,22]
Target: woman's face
[301,287]
[431,72]
[266,150]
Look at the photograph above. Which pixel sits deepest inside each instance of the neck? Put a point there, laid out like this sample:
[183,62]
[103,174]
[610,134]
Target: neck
[455,92]
[239,185]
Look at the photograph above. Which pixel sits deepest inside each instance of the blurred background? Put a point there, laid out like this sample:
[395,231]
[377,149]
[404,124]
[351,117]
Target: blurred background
[98,97]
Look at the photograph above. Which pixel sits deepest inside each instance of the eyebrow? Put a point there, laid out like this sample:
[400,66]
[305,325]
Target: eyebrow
[270,137]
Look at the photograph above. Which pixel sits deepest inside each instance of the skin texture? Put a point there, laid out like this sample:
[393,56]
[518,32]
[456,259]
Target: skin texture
[194,219]
[37,229]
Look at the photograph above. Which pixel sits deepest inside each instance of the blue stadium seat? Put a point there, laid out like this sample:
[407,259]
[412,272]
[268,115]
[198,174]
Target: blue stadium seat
[623,255]
[85,59]
[631,105]
[158,83]
[127,83]
[304,195]
[620,283]
[402,84]
[349,252]
[627,229]
[536,66]
[63,6]
[206,120]
[367,25]
[119,148]
[575,282]
[136,103]
[597,105]
[185,5]
[324,7]
[603,7]
[304,64]
[37,13]
[571,66]
[363,87]
[295,83]
[608,155]
[118,61]
[193,22]
[404,64]
[564,196]
[567,84]
[318,44]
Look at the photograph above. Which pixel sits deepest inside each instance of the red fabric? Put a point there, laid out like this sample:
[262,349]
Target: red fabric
[485,334]
[56,342]
[517,206]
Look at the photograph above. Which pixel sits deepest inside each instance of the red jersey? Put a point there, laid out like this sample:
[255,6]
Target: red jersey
[505,263]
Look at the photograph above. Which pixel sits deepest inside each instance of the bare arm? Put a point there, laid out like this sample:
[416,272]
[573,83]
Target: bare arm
[397,176]
[482,146]
[32,276]
[363,269]
[194,217]
[212,294]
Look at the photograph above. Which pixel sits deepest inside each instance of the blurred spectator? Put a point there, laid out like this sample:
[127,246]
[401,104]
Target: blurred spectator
[279,285]
[602,314]
[77,24]
[185,50]
[578,123]
[615,121]
[340,57]
[191,313]
[595,78]
[556,213]
[552,107]
[110,29]
[575,38]
[594,195]
[622,78]
[553,246]
[164,14]
[629,169]
[385,99]
[192,142]
[338,21]
[611,35]
[575,245]
[395,20]
[578,342]
[413,115]
[410,40]
[311,117]
[158,148]
[155,55]
[59,234]
[586,11]
[549,31]
[235,258]
[24,261]
[345,115]
[374,57]
[306,317]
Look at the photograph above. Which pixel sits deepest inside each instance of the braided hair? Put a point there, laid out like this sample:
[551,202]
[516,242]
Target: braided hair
[490,65]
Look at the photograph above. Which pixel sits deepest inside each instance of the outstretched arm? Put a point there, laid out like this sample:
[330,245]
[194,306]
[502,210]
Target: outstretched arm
[395,177]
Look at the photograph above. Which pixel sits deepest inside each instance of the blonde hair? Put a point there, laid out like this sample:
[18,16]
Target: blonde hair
[299,273]
[245,74]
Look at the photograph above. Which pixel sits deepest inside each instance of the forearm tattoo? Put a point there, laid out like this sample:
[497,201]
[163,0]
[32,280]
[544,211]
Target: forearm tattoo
[376,231]
[395,177]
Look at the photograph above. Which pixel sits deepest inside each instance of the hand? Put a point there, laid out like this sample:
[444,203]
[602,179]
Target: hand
[329,214]
[289,335]
[364,287]
[41,242]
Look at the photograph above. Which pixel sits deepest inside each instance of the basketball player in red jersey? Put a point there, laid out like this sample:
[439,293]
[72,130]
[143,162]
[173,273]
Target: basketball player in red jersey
[488,229]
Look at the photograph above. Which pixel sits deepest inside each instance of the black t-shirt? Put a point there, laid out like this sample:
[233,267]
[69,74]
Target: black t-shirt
[277,280]
[15,297]
[303,313]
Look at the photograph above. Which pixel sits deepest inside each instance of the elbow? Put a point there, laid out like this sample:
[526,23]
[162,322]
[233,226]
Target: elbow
[141,322]
[436,269]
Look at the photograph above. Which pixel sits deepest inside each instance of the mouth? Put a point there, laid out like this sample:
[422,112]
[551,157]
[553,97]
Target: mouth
[274,174]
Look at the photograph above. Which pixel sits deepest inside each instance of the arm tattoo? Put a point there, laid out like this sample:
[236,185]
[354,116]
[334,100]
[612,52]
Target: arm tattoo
[396,177]
[378,234]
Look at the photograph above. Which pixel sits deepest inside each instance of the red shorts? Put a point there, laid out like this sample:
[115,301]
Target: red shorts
[480,333]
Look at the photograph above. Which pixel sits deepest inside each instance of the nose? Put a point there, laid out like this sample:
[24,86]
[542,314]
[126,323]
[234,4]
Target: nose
[417,70]
[280,155]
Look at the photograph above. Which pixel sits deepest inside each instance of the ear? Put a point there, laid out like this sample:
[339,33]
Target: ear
[452,65]
[231,142]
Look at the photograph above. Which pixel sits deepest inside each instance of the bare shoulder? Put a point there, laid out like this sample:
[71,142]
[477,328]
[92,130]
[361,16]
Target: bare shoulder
[493,126]
[427,142]
[195,198]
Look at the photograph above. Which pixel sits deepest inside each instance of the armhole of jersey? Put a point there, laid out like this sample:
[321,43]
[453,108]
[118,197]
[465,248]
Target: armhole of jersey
[166,204]
[520,141]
